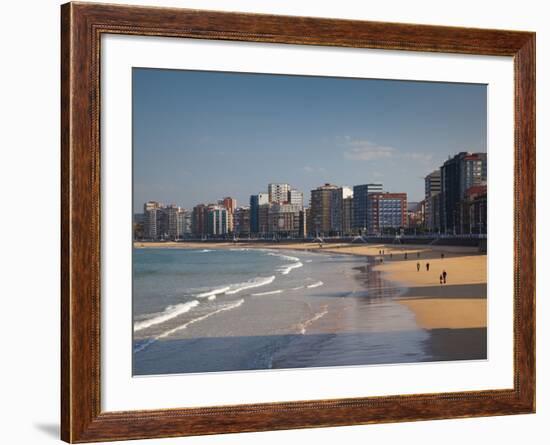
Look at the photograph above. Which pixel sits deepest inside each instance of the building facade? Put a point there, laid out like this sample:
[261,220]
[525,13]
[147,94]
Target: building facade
[432,187]
[199,225]
[278,192]
[175,221]
[321,209]
[217,221]
[242,221]
[151,217]
[296,197]
[360,205]
[284,220]
[347,216]
[256,201]
[458,174]
[230,204]
[474,210]
[386,211]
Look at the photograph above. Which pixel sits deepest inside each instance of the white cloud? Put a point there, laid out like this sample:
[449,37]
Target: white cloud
[363,150]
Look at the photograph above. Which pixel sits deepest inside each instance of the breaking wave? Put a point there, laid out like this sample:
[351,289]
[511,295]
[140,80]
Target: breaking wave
[271,292]
[257,282]
[314,285]
[169,313]
[172,331]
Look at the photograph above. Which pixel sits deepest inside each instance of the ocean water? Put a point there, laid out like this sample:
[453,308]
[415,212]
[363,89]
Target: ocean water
[205,310]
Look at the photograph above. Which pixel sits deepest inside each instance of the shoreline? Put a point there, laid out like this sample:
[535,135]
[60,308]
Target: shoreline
[439,323]
[459,304]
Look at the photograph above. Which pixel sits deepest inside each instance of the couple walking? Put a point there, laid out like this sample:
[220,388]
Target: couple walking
[418,267]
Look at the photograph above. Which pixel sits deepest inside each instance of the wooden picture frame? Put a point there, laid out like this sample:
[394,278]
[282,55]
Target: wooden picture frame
[82,25]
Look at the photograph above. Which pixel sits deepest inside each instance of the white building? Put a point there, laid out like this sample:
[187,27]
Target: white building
[296,197]
[278,193]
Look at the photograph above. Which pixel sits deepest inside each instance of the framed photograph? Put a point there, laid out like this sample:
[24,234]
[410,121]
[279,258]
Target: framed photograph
[274,222]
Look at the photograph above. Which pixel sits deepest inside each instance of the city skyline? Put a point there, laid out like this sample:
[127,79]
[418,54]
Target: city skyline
[455,202]
[199,136]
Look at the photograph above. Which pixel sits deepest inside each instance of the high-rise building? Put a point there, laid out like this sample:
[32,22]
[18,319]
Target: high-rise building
[347,216]
[360,204]
[323,209]
[435,209]
[284,219]
[474,210]
[296,197]
[187,223]
[263,219]
[174,219]
[458,174]
[199,225]
[230,204]
[139,226]
[255,202]
[416,214]
[242,221]
[278,192]
[304,220]
[336,211]
[386,210]
[151,211]
[217,220]
[432,186]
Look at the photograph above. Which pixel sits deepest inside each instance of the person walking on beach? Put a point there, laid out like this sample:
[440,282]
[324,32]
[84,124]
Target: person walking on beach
[444,277]
[405,255]
[440,279]
[418,267]
[427,267]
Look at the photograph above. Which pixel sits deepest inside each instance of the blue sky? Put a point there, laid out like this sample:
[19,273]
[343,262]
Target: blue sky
[200,136]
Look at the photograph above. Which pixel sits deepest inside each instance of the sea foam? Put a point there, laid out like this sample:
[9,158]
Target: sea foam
[314,285]
[169,313]
[172,331]
[302,327]
[257,282]
[285,257]
[285,270]
[214,292]
[271,292]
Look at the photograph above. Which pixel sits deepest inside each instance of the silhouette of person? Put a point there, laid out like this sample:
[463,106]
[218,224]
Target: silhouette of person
[427,267]
[444,277]
[405,255]
[440,279]
[417,267]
